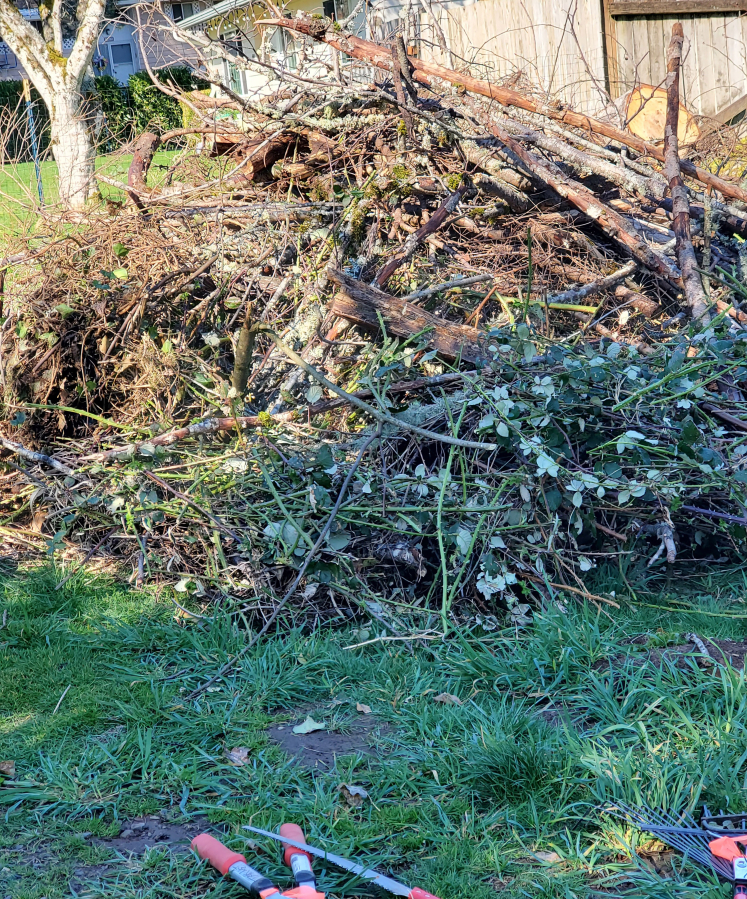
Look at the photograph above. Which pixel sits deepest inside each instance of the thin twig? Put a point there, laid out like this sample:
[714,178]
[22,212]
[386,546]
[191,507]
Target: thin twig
[382,417]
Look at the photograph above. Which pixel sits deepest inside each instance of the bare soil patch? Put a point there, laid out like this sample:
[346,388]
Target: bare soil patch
[321,749]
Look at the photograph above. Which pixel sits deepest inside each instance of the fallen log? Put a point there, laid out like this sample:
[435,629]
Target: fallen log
[425,72]
[261,153]
[581,161]
[692,285]
[637,300]
[611,222]
[367,306]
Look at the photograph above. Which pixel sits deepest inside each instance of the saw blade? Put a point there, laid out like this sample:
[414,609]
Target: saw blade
[387,883]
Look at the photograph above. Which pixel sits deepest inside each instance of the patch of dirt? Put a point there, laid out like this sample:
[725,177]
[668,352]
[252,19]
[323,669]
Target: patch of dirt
[660,862]
[322,748]
[722,652]
[140,834]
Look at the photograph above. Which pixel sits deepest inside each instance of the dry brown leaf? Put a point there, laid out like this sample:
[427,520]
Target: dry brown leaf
[237,756]
[353,794]
[8,768]
[448,698]
[362,707]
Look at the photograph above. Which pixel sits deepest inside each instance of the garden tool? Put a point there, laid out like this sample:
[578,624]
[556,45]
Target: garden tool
[719,842]
[387,883]
[234,865]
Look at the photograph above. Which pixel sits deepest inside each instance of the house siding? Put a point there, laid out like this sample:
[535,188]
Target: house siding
[155,38]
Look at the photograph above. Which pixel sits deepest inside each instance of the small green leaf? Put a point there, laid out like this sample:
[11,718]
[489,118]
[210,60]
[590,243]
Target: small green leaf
[339,541]
[120,250]
[308,726]
[120,273]
[64,309]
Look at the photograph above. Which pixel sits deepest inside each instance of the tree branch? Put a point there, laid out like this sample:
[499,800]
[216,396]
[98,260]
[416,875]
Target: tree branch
[90,14]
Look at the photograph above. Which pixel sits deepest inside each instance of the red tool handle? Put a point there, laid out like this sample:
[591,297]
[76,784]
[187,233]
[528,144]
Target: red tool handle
[740,892]
[293,832]
[219,856]
[417,893]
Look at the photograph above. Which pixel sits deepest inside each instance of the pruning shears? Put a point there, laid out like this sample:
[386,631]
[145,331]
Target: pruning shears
[291,841]
[734,850]
[234,865]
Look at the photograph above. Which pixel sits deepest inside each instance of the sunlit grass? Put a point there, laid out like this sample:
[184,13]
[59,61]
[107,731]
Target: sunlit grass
[554,720]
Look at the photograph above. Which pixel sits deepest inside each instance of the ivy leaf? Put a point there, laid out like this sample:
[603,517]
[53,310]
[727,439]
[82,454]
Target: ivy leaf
[339,540]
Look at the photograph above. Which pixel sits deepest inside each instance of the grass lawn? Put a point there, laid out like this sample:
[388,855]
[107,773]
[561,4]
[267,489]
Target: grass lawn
[18,187]
[497,795]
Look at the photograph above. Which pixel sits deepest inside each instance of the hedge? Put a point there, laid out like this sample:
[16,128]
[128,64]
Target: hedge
[127,110]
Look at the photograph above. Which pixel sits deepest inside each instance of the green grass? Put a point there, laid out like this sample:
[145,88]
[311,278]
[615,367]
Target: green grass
[461,796]
[18,187]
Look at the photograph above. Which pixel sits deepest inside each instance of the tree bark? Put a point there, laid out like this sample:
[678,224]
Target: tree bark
[611,222]
[72,149]
[414,240]
[142,157]
[425,72]
[243,359]
[361,304]
[581,161]
[692,285]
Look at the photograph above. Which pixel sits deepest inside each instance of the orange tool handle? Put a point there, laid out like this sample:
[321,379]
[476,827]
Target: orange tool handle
[293,832]
[727,848]
[417,893]
[219,856]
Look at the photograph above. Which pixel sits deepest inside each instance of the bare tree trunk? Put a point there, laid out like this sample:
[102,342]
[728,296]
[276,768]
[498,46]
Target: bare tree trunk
[73,151]
[691,283]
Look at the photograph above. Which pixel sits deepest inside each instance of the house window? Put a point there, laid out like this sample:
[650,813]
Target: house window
[328,7]
[121,54]
[235,44]
[181,11]
[36,23]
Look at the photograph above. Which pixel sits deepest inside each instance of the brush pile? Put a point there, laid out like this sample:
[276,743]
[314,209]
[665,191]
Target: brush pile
[395,349]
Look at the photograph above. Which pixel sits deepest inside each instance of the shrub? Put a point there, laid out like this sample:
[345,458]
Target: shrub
[154,110]
[117,110]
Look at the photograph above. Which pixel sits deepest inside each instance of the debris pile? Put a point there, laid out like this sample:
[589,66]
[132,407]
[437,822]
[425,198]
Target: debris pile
[424,346]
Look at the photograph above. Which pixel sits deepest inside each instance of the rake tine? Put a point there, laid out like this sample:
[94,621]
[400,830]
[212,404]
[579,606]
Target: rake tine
[690,839]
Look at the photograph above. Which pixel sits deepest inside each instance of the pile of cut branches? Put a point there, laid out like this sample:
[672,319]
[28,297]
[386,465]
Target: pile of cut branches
[387,346]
